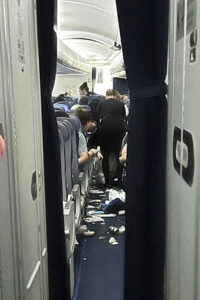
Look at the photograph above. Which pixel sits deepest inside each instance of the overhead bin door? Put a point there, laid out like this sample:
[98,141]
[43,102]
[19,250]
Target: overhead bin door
[184,145]
[24,142]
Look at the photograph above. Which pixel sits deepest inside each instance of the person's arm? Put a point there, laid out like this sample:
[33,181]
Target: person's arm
[126,110]
[83,158]
[123,156]
[82,149]
[2,146]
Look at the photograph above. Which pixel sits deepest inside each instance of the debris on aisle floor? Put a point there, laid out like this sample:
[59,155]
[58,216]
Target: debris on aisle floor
[89,233]
[113,242]
[101,246]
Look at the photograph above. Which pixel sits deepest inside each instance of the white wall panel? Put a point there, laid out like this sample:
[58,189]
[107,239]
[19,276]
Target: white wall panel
[72,82]
[183,198]
[174,179]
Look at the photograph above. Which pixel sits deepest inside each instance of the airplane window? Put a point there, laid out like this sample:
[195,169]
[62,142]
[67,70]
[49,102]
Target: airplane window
[91,103]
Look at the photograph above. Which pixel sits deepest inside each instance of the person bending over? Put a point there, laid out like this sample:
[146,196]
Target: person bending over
[110,132]
[86,124]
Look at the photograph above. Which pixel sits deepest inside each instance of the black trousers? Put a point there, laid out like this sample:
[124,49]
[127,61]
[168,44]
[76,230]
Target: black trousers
[109,174]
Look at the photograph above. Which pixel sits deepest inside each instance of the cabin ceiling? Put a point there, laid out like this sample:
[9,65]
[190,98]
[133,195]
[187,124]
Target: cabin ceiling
[90,28]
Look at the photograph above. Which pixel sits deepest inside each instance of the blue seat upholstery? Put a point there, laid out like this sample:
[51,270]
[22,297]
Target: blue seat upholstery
[62,155]
[66,131]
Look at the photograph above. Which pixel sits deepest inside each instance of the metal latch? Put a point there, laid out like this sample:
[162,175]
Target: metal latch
[34,186]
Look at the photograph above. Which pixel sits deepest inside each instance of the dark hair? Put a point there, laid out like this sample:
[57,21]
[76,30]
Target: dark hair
[83,100]
[84,86]
[60,113]
[61,97]
[84,116]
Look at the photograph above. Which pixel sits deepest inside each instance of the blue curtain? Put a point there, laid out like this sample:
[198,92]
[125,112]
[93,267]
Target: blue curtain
[144,34]
[57,265]
[121,85]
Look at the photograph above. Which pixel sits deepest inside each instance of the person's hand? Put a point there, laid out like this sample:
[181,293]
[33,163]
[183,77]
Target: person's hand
[93,126]
[2,146]
[120,160]
[99,155]
[95,152]
[91,153]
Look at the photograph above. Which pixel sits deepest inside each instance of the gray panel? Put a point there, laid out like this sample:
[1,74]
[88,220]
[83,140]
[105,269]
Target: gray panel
[183,199]
[180,19]
[10,275]
[191,15]
[190,211]
[24,264]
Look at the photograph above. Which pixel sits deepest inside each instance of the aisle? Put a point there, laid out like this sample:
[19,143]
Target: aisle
[99,266]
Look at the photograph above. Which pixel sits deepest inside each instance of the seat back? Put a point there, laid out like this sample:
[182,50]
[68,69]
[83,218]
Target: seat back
[72,123]
[66,131]
[62,156]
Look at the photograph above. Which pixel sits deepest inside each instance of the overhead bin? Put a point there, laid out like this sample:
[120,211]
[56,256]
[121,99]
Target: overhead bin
[71,59]
[117,66]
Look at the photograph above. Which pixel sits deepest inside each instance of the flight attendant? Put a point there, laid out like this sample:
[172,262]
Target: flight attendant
[110,133]
[84,90]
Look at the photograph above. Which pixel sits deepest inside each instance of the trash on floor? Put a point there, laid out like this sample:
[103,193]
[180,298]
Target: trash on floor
[117,193]
[113,206]
[121,230]
[95,212]
[89,233]
[112,241]
[108,215]
[116,230]
[113,229]
[93,219]
[102,237]
[91,206]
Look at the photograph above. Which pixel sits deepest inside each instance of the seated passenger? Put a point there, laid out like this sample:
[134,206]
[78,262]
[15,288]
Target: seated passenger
[60,113]
[69,93]
[75,107]
[60,103]
[83,100]
[84,155]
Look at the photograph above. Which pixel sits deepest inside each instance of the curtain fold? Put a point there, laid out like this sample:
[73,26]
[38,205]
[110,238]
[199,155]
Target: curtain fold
[144,35]
[57,264]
